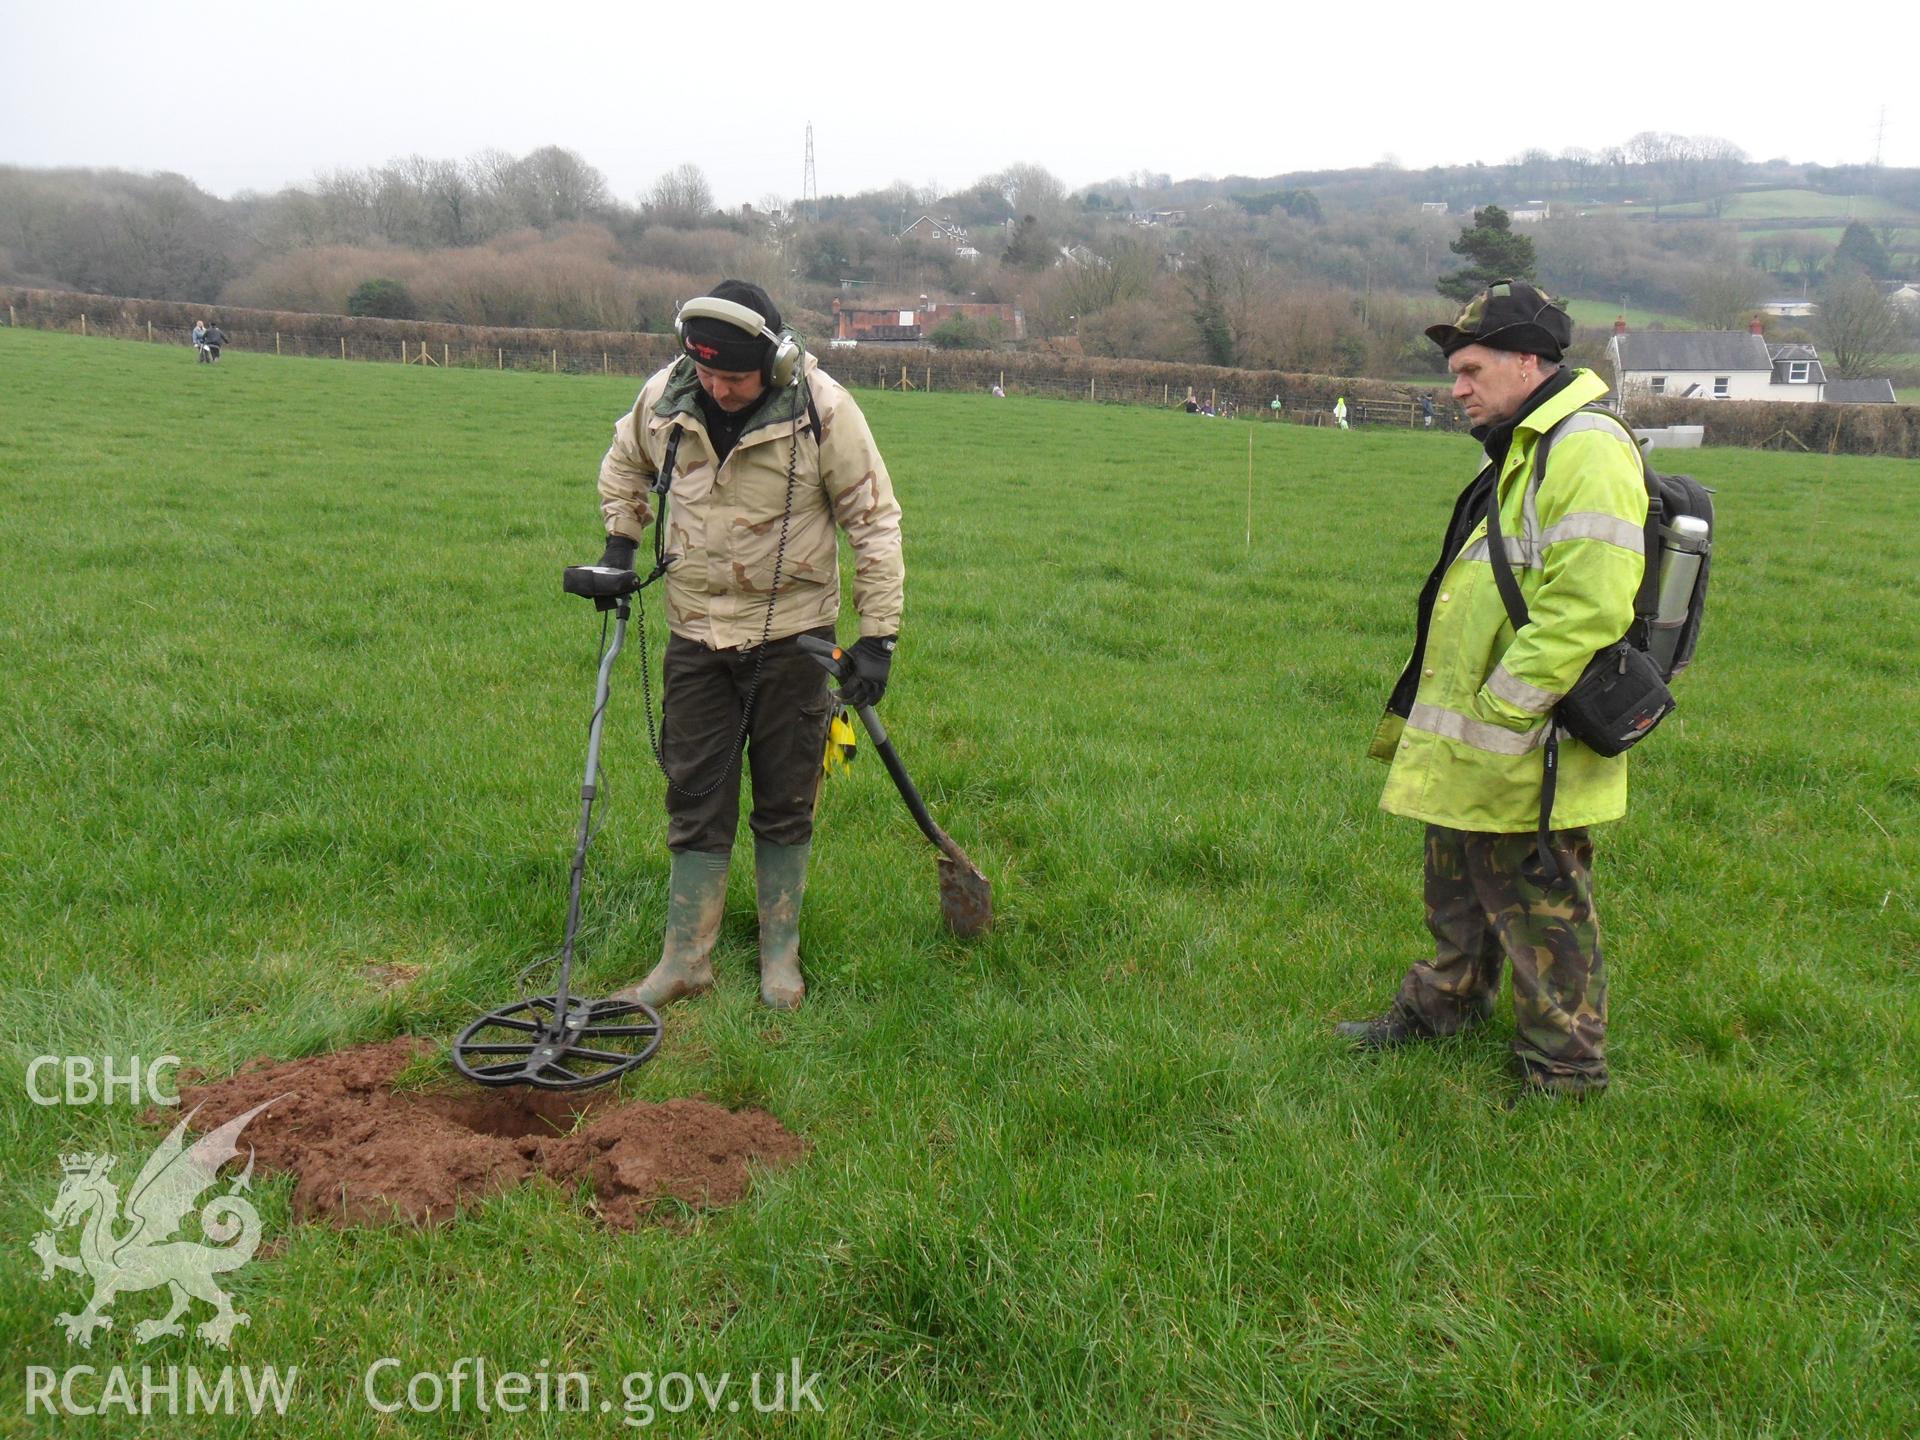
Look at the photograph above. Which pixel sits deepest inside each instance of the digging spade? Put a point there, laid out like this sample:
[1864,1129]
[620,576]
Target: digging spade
[966,899]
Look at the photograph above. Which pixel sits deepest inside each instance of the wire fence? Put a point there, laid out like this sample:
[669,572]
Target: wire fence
[1247,395]
[1245,401]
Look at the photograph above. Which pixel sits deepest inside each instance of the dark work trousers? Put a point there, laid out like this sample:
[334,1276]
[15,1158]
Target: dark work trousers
[1488,901]
[706,693]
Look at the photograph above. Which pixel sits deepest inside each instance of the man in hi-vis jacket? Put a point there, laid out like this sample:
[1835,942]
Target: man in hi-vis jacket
[769,455]
[1467,723]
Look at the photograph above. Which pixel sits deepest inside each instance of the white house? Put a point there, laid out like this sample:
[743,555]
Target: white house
[1790,307]
[1713,365]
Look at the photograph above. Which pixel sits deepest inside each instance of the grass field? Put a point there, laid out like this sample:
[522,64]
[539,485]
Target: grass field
[1793,204]
[293,697]
[1601,315]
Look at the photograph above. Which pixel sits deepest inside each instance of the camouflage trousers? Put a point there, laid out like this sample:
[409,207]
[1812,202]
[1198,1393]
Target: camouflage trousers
[1488,902]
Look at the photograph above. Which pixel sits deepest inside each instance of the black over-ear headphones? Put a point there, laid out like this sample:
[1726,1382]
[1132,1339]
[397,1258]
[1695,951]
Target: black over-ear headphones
[782,365]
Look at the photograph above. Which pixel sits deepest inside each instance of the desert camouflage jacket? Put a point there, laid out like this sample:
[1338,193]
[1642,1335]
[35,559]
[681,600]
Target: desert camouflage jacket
[723,520]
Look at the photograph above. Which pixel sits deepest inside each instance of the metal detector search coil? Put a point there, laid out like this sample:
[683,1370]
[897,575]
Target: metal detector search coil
[561,1041]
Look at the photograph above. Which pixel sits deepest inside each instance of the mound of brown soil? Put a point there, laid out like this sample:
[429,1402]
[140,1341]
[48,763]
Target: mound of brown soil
[363,1153]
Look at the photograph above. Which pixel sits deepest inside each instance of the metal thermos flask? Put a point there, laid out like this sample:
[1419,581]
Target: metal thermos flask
[1685,539]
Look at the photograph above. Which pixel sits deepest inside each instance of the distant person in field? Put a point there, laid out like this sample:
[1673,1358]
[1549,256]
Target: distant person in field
[1426,410]
[214,339]
[764,456]
[1340,411]
[1467,721]
[199,333]
[1192,402]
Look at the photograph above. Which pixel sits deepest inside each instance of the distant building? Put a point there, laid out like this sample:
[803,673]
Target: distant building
[869,326]
[1532,213]
[1906,296]
[1730,365]
[1433,207]
[1790,308]
[1861,392]
[942,232]
[928,228]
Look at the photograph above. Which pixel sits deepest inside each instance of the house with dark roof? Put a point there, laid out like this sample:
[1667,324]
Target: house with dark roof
[1861,392]
[943,232]
[1714,365]
[1799,365]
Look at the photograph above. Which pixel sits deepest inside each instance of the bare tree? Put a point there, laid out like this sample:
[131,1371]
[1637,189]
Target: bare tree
[1809,254]
[681,197]
[1724,298]
[570,189]
[1126,272]
[1857,328]
[1032,190]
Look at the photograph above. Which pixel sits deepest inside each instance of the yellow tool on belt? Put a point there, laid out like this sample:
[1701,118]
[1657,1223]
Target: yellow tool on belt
[840,743]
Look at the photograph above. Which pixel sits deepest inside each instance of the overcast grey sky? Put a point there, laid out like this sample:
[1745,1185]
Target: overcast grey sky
[261,95]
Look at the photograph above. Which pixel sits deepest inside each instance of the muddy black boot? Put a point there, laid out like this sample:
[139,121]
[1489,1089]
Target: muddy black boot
[780,880]
[696,898]
[1383,1032]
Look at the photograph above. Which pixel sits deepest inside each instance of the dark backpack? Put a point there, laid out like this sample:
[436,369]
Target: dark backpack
[1622,694]
[1668,498]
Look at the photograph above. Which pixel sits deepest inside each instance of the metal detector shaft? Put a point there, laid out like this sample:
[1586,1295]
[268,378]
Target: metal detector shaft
[621,610]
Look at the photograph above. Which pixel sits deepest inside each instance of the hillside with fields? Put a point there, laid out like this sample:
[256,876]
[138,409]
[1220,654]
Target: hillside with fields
[1332,272]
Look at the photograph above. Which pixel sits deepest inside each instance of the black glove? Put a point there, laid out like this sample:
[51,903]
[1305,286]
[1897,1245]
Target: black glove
[619,553]
[868,661]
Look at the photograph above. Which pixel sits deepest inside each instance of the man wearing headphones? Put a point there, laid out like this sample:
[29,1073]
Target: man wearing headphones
[760,455]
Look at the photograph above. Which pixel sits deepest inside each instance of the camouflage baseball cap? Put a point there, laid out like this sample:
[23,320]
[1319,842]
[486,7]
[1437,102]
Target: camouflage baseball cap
[1508,315]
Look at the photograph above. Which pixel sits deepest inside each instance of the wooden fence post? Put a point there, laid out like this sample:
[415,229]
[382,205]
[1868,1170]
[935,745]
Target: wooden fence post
[443,355]
[1003,379]
[83,322]
[929,377]
[343,347]
[605,368]
[149,332]
[276,342]
[554,357]
[11,322]
[1089,387]
[500,358]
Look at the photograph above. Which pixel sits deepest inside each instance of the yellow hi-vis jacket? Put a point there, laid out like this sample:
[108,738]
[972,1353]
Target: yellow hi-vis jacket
[1466,752]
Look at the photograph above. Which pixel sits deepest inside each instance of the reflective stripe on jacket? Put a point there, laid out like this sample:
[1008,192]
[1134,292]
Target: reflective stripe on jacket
[1467,753]
[723,521]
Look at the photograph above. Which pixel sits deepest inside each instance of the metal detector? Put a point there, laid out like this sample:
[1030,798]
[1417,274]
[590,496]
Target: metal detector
[560,1041]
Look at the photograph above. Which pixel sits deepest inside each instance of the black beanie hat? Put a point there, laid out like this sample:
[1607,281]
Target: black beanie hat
[720,345]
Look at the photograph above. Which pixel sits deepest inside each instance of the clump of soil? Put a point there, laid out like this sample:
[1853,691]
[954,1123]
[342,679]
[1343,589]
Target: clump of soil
[363,1153]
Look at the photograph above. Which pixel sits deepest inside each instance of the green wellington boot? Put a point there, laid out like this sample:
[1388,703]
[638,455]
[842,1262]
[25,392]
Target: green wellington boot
[780,880]
[696,898]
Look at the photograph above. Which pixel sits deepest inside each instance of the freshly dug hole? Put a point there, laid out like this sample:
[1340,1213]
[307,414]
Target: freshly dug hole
[363,1154]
